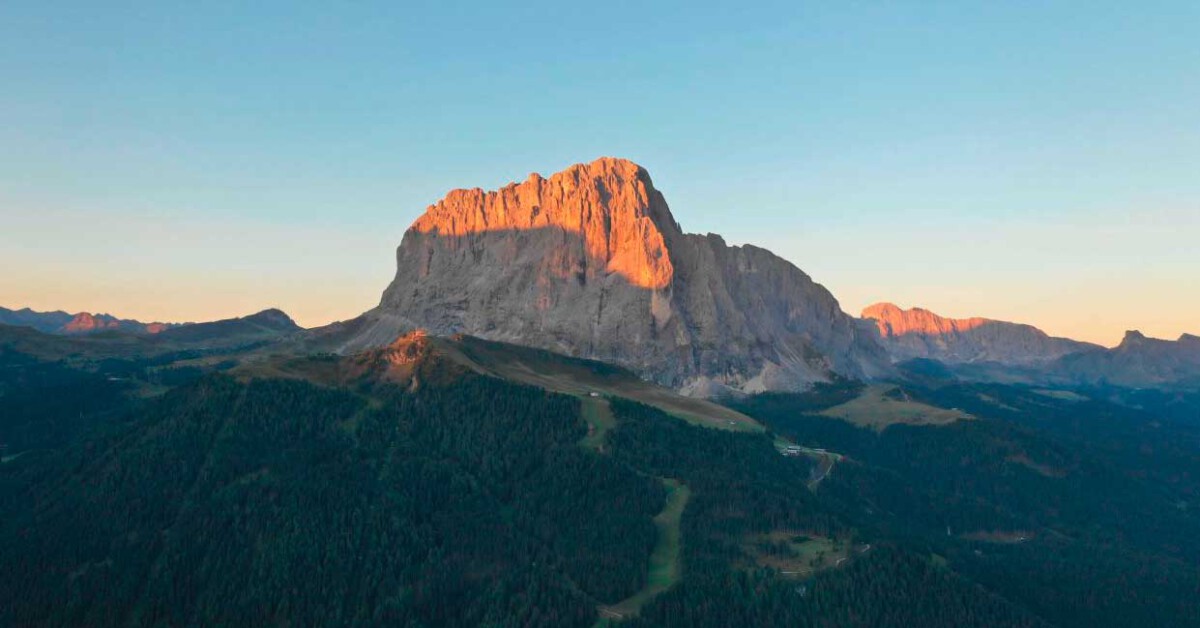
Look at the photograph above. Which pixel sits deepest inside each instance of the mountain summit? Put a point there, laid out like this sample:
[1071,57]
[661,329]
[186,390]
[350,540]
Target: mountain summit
[590,262]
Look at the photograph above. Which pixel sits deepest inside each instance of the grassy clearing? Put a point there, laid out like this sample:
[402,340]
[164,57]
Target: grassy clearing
[13,457]
[598,415]
[1002,537]
[881,405]
[1062,395]
[796,553]
[664,569]
[1043,469]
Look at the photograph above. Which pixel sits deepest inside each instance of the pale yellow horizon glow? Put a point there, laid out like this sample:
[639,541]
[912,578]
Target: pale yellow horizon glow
[169,269]
[1087,282]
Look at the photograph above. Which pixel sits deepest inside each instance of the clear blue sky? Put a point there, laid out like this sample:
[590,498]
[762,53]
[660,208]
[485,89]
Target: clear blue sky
[1036,161]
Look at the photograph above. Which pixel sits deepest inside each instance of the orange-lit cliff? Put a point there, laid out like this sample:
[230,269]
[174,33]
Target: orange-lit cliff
[591,263]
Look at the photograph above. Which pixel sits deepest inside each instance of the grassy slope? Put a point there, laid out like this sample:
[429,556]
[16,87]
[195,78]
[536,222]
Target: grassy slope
[664,568]
[876,409]
[598,415]
[805,557]
[535,367]
[580,377]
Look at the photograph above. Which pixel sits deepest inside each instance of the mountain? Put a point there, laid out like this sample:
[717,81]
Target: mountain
[264,325]
[138,351]
[919,333]
[590,262]
[48,322]
[1138,362]
[981,349]
[59,322]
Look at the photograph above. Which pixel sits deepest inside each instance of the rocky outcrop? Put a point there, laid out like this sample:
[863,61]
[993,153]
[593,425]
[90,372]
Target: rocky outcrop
[590,263]
[919,333]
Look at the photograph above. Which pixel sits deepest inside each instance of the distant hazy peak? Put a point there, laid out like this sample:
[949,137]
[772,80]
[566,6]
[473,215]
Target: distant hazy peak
[273,316]
[892,320]
[1133,336]
[60,322]
[920,333]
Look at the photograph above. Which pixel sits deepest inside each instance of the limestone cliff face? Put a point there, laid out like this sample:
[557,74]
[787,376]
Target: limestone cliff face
[919,333]
[590,262]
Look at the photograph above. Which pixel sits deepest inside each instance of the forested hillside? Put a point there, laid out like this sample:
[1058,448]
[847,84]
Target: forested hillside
[232,503]
[400,487]
[1083,511]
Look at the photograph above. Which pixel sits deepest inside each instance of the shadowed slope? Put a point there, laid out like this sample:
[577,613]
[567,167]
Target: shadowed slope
[416,358]
[1138,362]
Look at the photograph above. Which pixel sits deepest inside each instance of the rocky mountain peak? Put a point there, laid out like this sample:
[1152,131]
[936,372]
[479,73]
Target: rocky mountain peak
[608,207]
[1132,337]
[591,263]
[275,318]
[85,322]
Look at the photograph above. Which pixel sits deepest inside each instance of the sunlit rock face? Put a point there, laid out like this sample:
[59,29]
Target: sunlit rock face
[590,262]
[919,333]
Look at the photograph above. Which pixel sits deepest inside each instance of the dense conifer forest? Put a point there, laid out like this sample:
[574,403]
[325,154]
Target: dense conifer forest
[460,499]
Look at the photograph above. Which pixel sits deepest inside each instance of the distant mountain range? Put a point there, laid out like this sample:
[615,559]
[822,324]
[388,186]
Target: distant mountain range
[269,322]
[1138,362]
[919,333]
[216,336]
[988,349]
[59,322]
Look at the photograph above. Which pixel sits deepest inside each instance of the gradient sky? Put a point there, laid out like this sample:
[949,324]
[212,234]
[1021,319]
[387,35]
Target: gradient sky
[1029,161]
